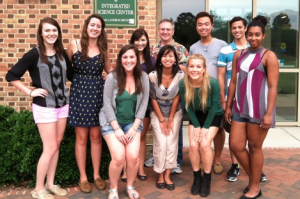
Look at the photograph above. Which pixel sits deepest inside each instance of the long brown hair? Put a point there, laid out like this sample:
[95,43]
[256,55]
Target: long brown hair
[101,41]
[58,46]
[136,35]
[189,88]
[121,74]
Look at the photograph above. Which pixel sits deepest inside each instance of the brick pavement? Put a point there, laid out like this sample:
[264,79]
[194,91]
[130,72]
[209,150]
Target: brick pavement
[282,168]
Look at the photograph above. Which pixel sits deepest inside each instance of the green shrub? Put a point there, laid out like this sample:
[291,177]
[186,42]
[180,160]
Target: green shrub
[21,147]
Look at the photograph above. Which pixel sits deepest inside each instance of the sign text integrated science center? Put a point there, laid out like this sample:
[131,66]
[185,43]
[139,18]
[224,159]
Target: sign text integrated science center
[117,13]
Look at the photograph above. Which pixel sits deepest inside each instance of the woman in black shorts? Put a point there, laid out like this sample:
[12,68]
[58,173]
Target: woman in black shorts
[200,94]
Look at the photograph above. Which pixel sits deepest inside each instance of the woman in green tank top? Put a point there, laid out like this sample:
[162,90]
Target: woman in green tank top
[126,94]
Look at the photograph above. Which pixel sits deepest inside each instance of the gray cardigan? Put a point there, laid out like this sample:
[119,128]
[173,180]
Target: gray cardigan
[108,111]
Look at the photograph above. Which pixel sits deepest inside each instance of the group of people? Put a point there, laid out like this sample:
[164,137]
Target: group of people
[216,83]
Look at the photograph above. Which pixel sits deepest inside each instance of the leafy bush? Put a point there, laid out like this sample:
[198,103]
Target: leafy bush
[21,147]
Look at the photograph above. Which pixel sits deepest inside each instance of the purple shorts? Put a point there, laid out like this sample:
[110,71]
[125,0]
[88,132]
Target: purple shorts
[47,115]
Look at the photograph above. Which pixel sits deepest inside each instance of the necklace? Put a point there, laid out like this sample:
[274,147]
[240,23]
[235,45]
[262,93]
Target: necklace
[206,46]
[167,79]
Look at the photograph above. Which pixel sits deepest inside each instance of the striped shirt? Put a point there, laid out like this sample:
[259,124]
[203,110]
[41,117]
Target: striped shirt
[225,60]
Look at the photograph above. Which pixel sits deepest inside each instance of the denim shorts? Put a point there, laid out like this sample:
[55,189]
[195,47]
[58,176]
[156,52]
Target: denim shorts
[241,119]
[124,127]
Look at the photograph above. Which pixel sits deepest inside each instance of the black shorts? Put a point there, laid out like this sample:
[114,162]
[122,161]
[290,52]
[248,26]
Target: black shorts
[201,116]
[225,125]
[147,114]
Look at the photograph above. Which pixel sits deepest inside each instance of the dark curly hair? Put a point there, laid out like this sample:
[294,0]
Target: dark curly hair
[259,21]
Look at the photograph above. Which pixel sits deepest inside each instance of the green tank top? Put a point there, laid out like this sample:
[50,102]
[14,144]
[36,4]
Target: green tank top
[126,105]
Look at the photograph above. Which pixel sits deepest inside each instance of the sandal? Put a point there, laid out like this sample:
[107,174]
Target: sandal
[132,195]
[115,193]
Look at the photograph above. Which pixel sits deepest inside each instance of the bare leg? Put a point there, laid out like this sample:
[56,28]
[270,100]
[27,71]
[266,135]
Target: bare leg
[194,152]
[117,152]
[256,137]
[80,150]
[142,154]
[205,146]
[237,143]
[124,175]
[167,177]
[160,178]
[132,159]
[96,149]
[219,141]
[49,138]
[233,158]
[60,130]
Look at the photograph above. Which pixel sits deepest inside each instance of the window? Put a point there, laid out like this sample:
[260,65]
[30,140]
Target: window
[183,14]
[224,11]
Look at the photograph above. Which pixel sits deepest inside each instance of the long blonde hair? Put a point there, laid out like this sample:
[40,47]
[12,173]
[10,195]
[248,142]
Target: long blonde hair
[189,87]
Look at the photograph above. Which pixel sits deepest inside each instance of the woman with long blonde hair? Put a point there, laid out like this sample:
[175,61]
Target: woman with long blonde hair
[200,94]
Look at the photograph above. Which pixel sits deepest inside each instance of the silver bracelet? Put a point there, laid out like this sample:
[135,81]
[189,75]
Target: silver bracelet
[30,93]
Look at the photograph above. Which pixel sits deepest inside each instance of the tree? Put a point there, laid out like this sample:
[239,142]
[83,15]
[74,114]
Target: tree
[185,29]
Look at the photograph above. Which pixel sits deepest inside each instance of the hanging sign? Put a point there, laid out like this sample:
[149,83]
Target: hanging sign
[117,13]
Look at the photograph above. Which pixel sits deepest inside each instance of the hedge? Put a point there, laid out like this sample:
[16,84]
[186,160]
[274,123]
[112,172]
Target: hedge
[21,147]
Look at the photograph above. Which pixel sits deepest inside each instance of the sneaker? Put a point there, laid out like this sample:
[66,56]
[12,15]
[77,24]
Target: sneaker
[263,177]
[177,169]
[43,194]
[56,190]
[232,174]
[149,162]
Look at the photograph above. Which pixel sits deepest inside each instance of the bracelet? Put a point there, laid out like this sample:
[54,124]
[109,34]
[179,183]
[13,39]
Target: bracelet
[117,128]
[134,128]
[30,93]
[162,121]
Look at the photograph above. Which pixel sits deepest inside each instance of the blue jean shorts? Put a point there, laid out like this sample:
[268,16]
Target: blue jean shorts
[124,127]
[241,119]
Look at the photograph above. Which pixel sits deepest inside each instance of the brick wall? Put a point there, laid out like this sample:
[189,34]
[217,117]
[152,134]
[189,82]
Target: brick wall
[19,20]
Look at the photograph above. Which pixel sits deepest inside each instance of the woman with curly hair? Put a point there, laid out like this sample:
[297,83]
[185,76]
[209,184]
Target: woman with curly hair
[251,103]
[89,56]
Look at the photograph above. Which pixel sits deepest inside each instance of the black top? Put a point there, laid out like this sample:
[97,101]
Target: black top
[51,77]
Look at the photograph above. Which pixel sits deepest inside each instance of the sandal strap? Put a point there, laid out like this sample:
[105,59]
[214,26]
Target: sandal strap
[115,193]
[132,193]
[130,188]
[113,190]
